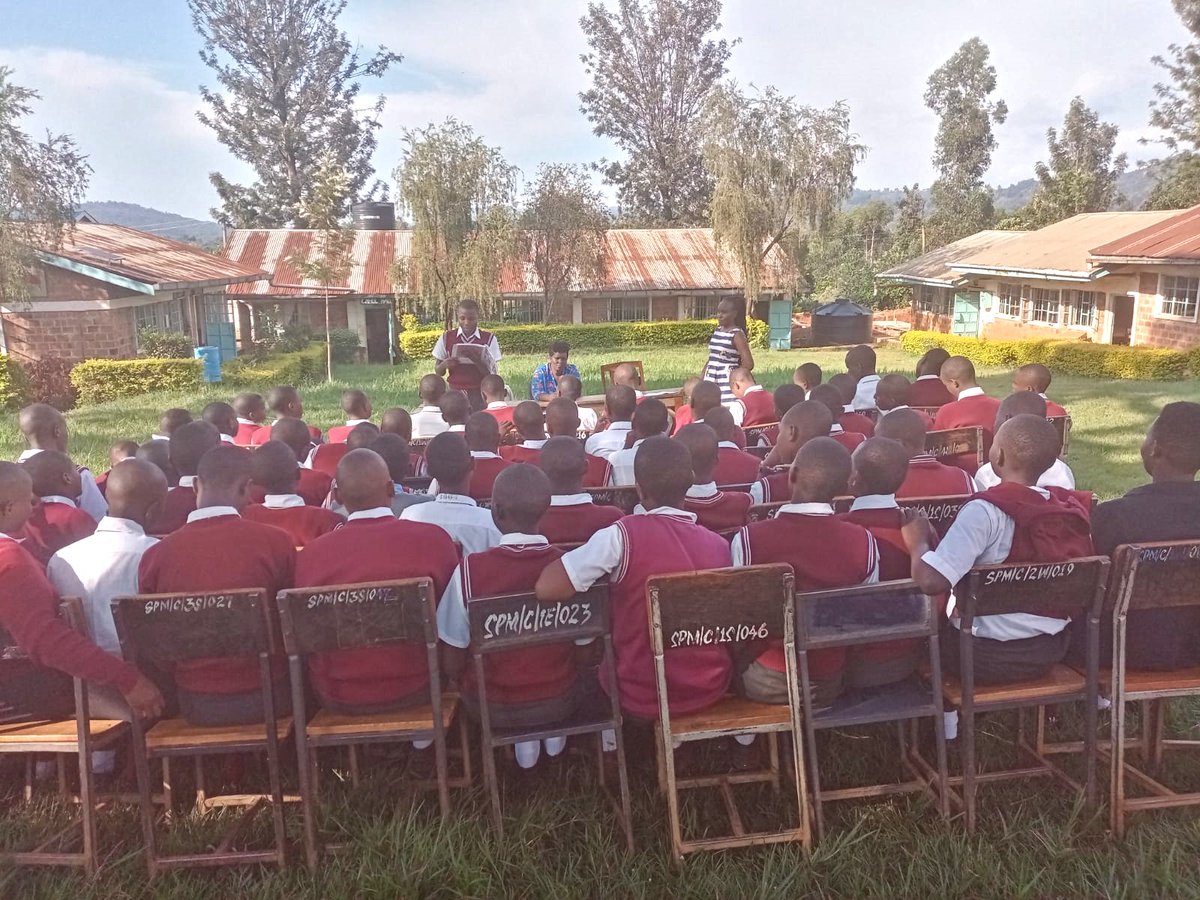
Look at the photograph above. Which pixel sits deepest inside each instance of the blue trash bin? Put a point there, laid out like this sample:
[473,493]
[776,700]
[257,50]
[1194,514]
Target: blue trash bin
[211,359]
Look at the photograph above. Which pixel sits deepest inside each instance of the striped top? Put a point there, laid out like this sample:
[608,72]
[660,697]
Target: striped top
[723,357]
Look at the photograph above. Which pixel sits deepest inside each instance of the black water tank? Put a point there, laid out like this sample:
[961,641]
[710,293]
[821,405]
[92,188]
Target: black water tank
[841,322]
[374,215]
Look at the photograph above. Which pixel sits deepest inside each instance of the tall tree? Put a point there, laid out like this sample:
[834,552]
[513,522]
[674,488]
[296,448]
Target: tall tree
[459,193]
[652,63]
[1176,110]
[289,85]
[41,183]
[908,230]
[329,262]
[959,92]
[779,170]
[1081,175]
[563,228]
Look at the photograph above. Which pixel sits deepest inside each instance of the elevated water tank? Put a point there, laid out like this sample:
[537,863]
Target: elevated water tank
[374,215]
[841,322]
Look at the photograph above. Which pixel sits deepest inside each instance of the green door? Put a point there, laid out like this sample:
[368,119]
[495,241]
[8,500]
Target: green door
[966,314]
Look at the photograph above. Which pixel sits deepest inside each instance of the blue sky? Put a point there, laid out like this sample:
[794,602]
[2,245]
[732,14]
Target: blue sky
[121,75]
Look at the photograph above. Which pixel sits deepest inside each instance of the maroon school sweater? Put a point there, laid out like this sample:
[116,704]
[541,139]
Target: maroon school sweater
[246,433]
[724,511]
[848,439]
[483,476]
[929,392]
[759,408]
[856,423]
[929,478]
[735,467]
[53,526]
[599,471]
[978,411]
[304,524]
[172,515]
[518,454]
[776,487]
[576,523]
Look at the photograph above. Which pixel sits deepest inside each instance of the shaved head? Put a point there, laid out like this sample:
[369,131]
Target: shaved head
[173,418]
[906,426]
[294,433]
[830,397]
[431,389]
[250,406]
[53,473]
[530,420]
[158,454]
[799,425]
[892,391]
[1025,447]
[1033,377]
[562,417]
[807,375]
[396,420]
[627,374]
[701,442]
[787,396]
[274,468]
[620,401]
[564,461]
[222,417]
[741,376]
[363,481]
[449,460]
[16,497]
[520,497]
[879,466]
[44,427]
[958,374]
[650,418]
[845,385]
[482,433]
[492,387]
[820,471]
[705,396]
[1022,403]
[662,469]
[362,435]
[394,451]
[570,387]
[284,400]
[455,408]
[860,361]
[356,404]
[135,490]
[931,362]
[721,421]
[223,477]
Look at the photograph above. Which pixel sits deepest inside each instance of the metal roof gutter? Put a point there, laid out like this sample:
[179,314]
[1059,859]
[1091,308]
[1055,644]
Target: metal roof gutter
[95,272]
[927,282]
[1039,274]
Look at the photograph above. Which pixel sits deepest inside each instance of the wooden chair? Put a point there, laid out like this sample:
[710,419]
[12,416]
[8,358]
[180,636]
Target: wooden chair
[930,411]
[754,433]
[726,607]
[1074,588]
[625,498]
[939,510]
[417,485]
[1062,424]
[1148,576]
[348,616]
[606,373]
[855,616]
[165,629]
[761,452]
[327,457]
[529,624]
[77,736]
[957,442]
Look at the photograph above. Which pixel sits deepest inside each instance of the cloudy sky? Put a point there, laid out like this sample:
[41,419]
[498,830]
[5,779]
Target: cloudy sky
[122,76]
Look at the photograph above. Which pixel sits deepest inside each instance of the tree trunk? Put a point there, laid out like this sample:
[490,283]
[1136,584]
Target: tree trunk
[328,341]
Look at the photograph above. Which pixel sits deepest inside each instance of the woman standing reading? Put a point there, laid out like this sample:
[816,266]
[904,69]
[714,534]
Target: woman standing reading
[728,348]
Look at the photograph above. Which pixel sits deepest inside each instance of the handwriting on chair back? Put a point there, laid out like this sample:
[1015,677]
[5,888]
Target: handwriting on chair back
[624,498]
[499,623]
[1158,575]
[1058,588]
[760,512]
[894,610]
[954,441]
[722,606]
[336,617]
[170,627]
[417,485]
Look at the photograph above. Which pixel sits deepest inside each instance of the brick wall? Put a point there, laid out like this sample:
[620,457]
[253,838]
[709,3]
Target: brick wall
[927,321]
[1012,330]
[91,334]
[664,308]
[594,309]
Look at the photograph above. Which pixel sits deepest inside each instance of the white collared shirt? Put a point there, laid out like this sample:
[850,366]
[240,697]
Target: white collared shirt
[160,437]
[454,626]
[187,481]
[492,356]
[702,491]
[864,395]
[91,501]
[497,404]
[621,473]
[98,569]
[884,412]
[1058,475]
[427,422]
[874,501]
[242,421]
[730,445]
[457,429]
[605,443]
[604,554]
[587,420]
[351,423]
[929,378]
[534,445]
[211,512]
[461,518]
[484,454]
[982,535]
[835,428]
[737,409]
[376,512]
[283,501]
[970,392]
[56,498]
[571,499]
[226,438]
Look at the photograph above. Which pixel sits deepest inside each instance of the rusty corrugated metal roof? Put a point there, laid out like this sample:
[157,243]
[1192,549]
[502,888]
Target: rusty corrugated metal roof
[1174,238]
[148,258]
[643,259]
[934,267]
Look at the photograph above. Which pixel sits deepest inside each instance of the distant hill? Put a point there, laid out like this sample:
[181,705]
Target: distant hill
[180,228]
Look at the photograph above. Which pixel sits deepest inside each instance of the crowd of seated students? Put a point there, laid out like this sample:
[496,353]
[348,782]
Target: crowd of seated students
[223,501]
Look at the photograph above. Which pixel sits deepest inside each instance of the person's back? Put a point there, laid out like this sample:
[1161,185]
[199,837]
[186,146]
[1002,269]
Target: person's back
[452,509]
[56,520]
[357,407]
[216,550]
[971,408]
[530,423]
[495,399]
[187,446]
[251,410]
[302,523]
[734,464]
[572,517]
[619,402]
[1035,378]
[716,510]
[427,421]
[926,476]
[649,420]
[754,405]
[483,439]
[928,389]
[373,545]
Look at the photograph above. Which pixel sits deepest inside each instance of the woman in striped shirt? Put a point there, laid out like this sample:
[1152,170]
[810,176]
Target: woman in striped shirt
[728,348]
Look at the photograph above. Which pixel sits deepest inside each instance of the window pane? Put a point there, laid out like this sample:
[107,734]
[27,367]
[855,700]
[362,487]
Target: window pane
[1082,307]
[523,310]
[629,309]
[1044,306]
[1009,300]
[703,308]
[1179,296]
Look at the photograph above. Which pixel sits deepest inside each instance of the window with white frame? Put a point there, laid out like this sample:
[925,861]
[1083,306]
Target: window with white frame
[1008,300]
[933,300]
[629,308]
[1044,306]
[703,307]
[1081,308]
[164,316]
[1178,296]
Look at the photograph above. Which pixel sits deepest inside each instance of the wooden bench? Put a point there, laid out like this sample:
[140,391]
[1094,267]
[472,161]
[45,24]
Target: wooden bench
[957,442]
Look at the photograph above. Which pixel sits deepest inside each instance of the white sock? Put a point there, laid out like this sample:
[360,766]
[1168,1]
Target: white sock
[608,740]
[950,724]
[745,739]
[422,745]
[104,761]
[528,753]
[1102,702]
[555,745]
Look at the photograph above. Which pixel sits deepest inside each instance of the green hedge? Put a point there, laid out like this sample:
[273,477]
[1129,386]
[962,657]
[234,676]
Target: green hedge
[418,344]
[1067,357]
[100,380]
[10,383]
[302,367]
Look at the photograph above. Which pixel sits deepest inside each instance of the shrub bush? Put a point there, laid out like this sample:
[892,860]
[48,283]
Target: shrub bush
[49,381]
[12,381]
[418,344]
[155,344]
[345,344]
[1067,357]
[100,380]
[302,367]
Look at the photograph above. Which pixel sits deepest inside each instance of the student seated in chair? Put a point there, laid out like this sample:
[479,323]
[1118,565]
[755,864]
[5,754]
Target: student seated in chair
[1036,379]
[807,376]
[187,447]
[453,510]
[45,428]
[170,420]
[684,414]
[312,484]
[572,517]
[892,395]
[38,685]
[483,440]
[829,396]
[649,421]
[274,469]
[928,389]
[802,423]
[373,545]
[850,420]
[284,402]
[455,411]
[619,404]
[926,476]
[527,688]
[531,425]
[1026,403]
[823,550]
[223,417]
[571,388]
[664,540]
[427,420]
[734,464]
[56,520]
[1013,522]
[716,510]
[754,404]
[357,407]
[495,400]
[251,411]
[562,420]
[971,408]
[218,550]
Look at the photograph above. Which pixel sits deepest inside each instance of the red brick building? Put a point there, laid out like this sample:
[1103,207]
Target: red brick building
[88,298]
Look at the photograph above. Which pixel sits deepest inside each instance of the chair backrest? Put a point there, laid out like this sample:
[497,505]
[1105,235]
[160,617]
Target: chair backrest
[930,411]
[417,485]
[956,442]
[521,620]
[1062,424]
[721,606]
[893,610]
[1156,575]
[754,432]
[484,502]
[327,457]
[624,498]
[760,512]
[760,452]
[738,488]
[872,413]
[341,616]
[606,372]
[1061,588]
[165,628]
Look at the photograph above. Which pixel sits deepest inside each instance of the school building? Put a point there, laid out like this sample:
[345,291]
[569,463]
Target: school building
[88,298]
[1113,277]
[650,274]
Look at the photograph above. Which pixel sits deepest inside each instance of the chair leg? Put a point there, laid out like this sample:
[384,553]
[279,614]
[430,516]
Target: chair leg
[490,779]
[623,780]
[773,751]
[443,773]
[275,778]
[87,804]
[943,768]
[967,729]
[464,739]
[309,797]
[354,769]
[668,766]
[1116,787]
[1158,712]
[168,787]
[814,774]
[141,765]
[30,763]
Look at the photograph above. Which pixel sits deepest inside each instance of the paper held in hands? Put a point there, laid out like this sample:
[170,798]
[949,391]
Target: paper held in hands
[468,354]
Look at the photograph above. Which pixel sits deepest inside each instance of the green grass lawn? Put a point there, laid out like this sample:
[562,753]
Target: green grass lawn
[560,838]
